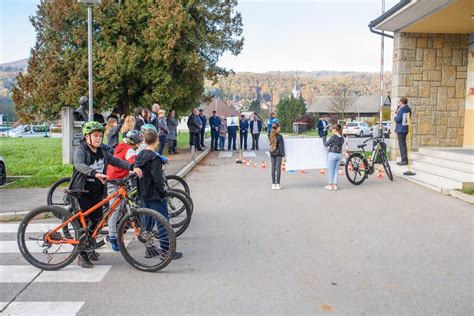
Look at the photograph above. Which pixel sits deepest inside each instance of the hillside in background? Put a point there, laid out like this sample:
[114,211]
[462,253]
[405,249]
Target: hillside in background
[246,85]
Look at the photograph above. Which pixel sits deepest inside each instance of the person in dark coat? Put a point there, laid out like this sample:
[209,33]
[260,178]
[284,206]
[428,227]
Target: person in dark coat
[194,126]
[401,128]
[172,123]
[232,134]
[203,119]
[139,120]
[244,131]
[255,129]
[277,153]
[214,123]
[323,127]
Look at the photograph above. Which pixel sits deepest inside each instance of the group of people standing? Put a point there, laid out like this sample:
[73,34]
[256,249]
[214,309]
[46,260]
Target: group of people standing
[221,129]
[167,127]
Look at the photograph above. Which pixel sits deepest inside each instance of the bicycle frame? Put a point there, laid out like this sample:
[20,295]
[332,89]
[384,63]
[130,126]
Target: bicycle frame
[120,194]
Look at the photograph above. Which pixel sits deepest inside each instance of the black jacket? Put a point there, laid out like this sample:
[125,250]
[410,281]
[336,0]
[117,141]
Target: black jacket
[152,185]
[280,147]
[82,169]
[194,123]
[113,137]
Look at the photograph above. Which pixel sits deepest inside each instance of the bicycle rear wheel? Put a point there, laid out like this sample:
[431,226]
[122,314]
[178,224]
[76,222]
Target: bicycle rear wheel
[34,247]
[357,168]
[176,182]
[179,212]
[55,194]
[386,165]
[187,196]
[146,240]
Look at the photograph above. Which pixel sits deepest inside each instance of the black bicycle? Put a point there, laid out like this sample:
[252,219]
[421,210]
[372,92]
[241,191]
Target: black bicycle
[358,167]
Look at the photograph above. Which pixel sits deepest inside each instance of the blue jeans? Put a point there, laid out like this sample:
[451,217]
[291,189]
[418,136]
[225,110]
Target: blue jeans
[221,142]
[162,144]
[161,206]
[334,160]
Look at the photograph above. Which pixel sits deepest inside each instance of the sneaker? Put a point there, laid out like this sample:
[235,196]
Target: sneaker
[328,187]
[113,243]
[273,186]
[94,255]
[334,187]
[84,262]
[177,255]
[277,186]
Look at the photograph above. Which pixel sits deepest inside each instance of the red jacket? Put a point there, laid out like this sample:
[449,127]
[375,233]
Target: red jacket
[125,152]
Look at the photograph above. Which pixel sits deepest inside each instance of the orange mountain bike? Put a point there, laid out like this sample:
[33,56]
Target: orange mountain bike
[50,237]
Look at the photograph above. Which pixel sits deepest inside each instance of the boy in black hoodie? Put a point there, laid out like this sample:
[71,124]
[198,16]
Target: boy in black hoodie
[151,187]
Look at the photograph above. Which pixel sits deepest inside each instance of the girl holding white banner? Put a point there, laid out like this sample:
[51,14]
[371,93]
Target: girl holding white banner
[334,145]
[277,152]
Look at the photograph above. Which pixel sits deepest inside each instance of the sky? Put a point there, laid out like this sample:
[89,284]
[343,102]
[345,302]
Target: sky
[280,35]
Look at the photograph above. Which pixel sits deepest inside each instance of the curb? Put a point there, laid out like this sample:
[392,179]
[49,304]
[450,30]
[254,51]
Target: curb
[182,173]
[187,169]
[462,196]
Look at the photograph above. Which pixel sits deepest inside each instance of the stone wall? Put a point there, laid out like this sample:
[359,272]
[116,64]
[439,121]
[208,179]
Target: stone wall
[431,71]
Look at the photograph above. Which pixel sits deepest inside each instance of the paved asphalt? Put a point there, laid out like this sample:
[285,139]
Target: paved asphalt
[383,248]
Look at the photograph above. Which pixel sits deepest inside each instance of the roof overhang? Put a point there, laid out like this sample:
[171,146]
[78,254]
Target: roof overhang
[428,16]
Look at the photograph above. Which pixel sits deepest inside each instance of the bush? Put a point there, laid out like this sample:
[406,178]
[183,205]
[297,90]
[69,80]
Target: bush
[309,119]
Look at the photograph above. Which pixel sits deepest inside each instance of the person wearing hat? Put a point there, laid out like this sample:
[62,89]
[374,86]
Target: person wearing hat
[89,174]
[203,119]
[214,123]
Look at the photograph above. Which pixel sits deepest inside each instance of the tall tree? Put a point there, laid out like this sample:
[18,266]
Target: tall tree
[340,99]
[144,52]
[289,109]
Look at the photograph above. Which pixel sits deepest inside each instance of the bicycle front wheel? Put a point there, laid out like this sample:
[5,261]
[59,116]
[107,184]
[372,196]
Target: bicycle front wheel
[176,182]
[357,168]
[55,253]
[386,166]
[179,212]
[56,196]
[146,239]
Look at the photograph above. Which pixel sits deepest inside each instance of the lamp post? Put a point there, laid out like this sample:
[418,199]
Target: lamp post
[90,4]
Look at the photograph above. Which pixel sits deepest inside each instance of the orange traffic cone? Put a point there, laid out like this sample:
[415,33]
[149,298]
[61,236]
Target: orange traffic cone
[362,165]
[322,171]
[350,167]
[303,171]
[255,165]
[341,172]
[379,172]
[283,166]
[264,165]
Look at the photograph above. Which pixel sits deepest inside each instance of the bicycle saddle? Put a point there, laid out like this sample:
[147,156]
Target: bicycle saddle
[361,146]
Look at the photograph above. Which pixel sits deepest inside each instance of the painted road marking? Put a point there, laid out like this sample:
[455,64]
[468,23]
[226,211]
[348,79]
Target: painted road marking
[41,308]
[248,154]
[225,155]
[70,274]
[11,246]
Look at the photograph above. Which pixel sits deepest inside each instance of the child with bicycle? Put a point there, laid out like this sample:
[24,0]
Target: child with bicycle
[127,150]
[89,175]
[151,187]
[334,145]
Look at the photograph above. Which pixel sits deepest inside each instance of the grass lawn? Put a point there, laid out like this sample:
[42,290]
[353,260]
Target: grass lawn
[468,191]
[39,158]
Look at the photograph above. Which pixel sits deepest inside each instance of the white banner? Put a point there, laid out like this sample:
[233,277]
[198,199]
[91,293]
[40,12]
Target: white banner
[305,154]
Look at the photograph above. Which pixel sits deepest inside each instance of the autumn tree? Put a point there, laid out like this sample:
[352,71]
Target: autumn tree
[144,52]
[340,100]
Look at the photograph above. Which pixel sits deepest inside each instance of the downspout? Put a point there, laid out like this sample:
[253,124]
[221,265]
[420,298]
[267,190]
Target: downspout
[371,28]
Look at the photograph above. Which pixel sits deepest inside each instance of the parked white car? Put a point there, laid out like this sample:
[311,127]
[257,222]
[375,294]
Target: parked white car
[386,128]
[29,131]
[358,129]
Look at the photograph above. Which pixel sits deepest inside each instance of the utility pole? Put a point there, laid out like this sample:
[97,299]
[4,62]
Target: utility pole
[90,4]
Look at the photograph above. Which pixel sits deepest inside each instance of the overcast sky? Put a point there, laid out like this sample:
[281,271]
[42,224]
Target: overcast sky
[282,35]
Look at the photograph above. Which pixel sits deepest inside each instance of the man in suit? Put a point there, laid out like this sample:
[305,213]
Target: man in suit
[401,128]
[255,129]
[214,123]
[202,135]
[194,126]
[244,131]
[232,133]
[323,127]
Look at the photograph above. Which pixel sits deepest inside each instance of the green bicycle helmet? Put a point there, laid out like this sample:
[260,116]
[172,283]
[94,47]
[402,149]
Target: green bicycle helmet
[148,126]
[91,126]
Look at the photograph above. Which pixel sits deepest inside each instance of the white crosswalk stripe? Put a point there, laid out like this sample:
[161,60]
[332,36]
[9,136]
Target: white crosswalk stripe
[267,153]
[42,308]
[11,246]
[225,154]
[33,228]
[248,154]
[70,274]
